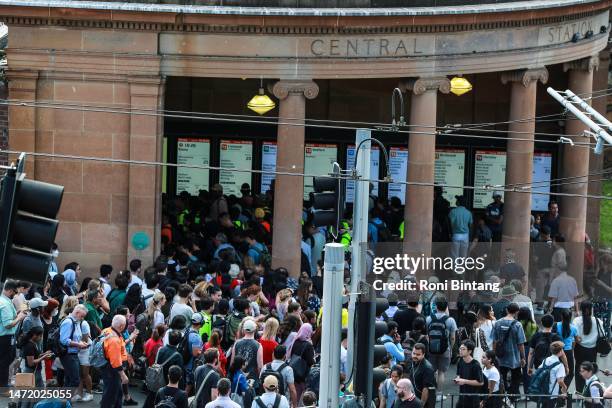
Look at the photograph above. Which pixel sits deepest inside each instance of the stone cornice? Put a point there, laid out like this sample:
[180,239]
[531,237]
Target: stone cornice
[526,76]
[284,24]
[421,85]
[586,64]
[283,88]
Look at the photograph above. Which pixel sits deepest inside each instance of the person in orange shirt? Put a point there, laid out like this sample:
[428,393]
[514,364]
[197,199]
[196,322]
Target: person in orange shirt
[112,373]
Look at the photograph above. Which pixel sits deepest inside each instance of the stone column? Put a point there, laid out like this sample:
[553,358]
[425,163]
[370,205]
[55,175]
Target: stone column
[418,211]
[576,164]
[600,83]
[289,190]
[519,160]
[144,192]
[22,119]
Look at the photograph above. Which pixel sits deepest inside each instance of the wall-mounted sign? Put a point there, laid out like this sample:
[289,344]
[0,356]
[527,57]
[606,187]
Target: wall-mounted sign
[398,167]
[235,154]
[318,160]
[489,170]
[450,170]
[374,170]
[192,152]
[268,165]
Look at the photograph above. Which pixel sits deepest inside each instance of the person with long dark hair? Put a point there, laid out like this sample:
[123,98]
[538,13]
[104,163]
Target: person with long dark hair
[569,336]
[56,291]
[586,349]
[593,389]
[238,376]
[530,327]
[33,355]
[133,300]
[493,380]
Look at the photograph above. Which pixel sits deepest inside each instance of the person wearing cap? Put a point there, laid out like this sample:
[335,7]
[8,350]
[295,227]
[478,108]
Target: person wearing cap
[461,222]
[195,344]
[495,216]
[270,398]
[507,294]
[249,349]
[223,400]
[33,318]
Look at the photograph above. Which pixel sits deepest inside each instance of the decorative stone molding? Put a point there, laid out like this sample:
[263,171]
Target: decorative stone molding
[283,88]
[525,76]
[421,85]
[586,64]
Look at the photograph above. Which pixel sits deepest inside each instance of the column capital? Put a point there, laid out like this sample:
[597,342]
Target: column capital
[421,85]
[589,64]
[283,88]
[525,76]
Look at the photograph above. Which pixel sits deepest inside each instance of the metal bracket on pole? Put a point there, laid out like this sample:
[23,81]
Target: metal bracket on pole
[600,134]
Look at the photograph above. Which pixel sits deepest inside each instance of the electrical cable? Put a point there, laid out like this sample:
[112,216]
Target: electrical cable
[297,174]
[296,123]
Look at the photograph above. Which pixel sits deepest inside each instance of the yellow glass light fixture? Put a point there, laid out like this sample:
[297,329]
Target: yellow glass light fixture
[460,85]
[261,103]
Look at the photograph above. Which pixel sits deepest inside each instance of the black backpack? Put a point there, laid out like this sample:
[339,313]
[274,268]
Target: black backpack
[278,374]
[53,340]
[260,403]
[438,335]
[500,347]
[542,349]
[184,347]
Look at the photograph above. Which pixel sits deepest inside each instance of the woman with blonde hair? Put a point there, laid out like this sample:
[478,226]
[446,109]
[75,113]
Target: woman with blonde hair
[268,339]
[155,315]
[68,306]
[283,297]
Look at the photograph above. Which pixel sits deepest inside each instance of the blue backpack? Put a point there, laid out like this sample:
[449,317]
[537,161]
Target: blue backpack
[540,381]
[97,357]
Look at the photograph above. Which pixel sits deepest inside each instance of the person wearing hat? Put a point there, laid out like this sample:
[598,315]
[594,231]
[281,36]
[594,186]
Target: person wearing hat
[33,319]
[270,398]
[195,345]
[506,296]
[495,216]
[249,349]
[461,222]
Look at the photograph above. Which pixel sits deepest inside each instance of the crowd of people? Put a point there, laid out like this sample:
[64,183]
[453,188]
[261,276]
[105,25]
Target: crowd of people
[212,322]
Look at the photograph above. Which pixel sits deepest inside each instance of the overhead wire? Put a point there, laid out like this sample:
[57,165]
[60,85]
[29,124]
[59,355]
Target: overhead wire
[297,174]
[300,123]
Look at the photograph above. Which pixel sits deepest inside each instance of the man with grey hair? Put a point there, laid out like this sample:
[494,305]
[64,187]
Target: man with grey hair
[112,373]
[70,337]
[405,397]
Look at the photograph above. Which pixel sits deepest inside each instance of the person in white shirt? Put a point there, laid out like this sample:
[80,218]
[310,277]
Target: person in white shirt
[557,373]
[223,400]
[270,398]
[105,273]
[135,269]
[150,289]
[53,265]
[588,327]
[185,305]
[493,378]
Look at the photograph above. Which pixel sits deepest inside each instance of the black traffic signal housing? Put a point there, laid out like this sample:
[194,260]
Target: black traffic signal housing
[28,226]
[328,201]
[368,354]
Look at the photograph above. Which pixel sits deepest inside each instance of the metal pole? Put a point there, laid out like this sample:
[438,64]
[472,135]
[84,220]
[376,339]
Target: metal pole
[360,235]
[329,381]
[579,114]
[598,116]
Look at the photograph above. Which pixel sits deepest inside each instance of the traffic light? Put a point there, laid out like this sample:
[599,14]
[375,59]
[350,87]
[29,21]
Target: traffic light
[28,226]
[369,354]
[328,199]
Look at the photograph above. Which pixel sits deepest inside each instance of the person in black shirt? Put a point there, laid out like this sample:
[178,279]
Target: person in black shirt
[207,377]
[171,393]
[539,345]
[405,395]
[421,373]
[405,317]
[469,376]
[32,355]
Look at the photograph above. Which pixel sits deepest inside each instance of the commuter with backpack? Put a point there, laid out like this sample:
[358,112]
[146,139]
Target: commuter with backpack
[112,372]
[441,330]
[271,397]
[509,346]
[593,390]
[548,378]
[283,373]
